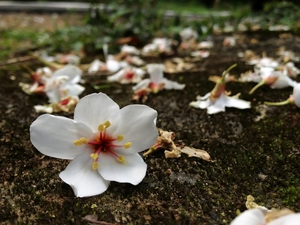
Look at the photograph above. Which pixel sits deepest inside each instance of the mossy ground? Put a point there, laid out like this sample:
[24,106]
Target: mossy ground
[258,158]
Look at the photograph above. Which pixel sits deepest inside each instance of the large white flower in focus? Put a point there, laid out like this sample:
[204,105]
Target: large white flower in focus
[103,141]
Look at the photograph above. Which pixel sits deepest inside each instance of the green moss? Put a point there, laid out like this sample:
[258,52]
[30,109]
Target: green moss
[290,195]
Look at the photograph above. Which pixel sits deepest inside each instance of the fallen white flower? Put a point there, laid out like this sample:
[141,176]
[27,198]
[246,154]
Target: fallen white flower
[127,75]
[103,141]
[216,100]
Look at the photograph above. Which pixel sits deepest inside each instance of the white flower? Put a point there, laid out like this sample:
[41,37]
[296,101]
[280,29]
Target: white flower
[157,81]
[279,28]
[250,76]
[158,45]
[134,60]
[218,105]
[216,100]
[293,99]
[263,62]
[127,75]
[131,50]
[205,45]
[291,219]
[229,41]
[257,217]
[200,53]
[39,79]
[103,141]
[111,65]
[95,66]
[68,58]
[188,33]
[296,95]
[291,70]
[64,83]
[250,217]
[275,79]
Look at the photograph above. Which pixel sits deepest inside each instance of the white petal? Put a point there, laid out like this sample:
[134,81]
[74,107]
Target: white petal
[204,97]
[72,90]
[215,109]
[138,127]
[55,135]
[296,95]
[283,82]
[236,103]
[132,171]
[130,49]
[172,85]
[117,76]
[112,65]
[95,109]
[73,73]
[250,217]
[291,219]
[156,72]
[82,178]
[216,106]
[43,108]
[142,84]
[95,66]
[194,104]
[53,94]
[139,72]
[203,104]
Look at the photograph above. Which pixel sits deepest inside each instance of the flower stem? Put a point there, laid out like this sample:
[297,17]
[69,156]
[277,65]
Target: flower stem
[257,86]
[105,52]
[27,68]
[50,64]
[226,72]
[288,101]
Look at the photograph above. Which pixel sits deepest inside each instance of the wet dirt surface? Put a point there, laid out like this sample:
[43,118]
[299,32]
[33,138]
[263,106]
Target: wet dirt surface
[248,157]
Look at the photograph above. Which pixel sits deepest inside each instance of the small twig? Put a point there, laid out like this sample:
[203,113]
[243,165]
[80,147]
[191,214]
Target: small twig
[93,219]
[17,60]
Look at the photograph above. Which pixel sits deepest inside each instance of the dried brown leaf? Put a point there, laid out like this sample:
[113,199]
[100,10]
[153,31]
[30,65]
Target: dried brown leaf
[193,152]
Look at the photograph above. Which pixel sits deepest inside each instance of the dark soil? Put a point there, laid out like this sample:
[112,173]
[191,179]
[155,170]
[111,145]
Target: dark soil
[258,158]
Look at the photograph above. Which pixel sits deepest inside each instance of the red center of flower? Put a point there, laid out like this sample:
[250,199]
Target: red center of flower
[64,102]
[129,75]
[156,87]
[103,143]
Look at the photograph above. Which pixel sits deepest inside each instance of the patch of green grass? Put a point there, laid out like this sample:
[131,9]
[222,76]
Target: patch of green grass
[185,7]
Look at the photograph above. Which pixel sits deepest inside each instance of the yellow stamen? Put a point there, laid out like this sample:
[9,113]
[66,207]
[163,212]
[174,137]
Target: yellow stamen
[104,125]
[94,156]
[107,124]
[120,137]
[127,145]
[101,127]
[121,159]
[81,141]
[95,165]
[84,140]
[77,143]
